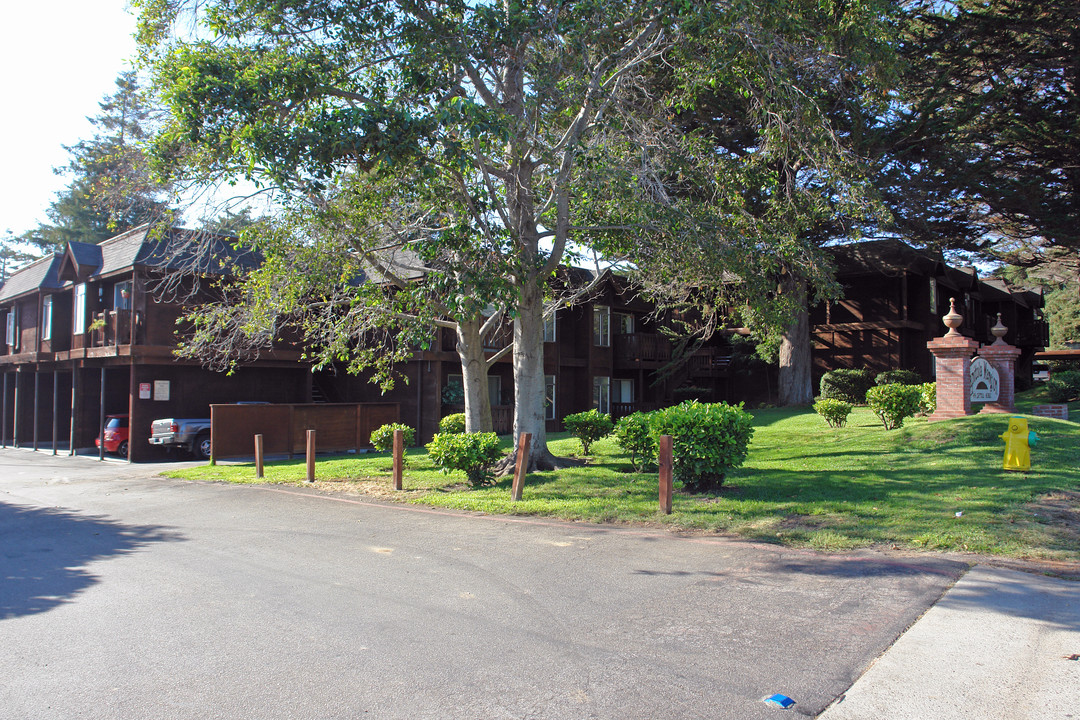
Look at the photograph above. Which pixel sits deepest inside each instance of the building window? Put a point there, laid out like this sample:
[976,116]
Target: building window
[622,390]
[122,296]
[601,392]
[601,325]
[549,397]
[12,329]
[80,309]
[933,295]
[454,392]
[46,317]
[549,328]
[624,324]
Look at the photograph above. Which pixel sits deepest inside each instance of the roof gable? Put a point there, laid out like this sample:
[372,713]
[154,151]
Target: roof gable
[79,261]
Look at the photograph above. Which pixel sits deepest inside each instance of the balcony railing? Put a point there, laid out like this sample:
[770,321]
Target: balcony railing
[710,362]
[112,327]
[635,348]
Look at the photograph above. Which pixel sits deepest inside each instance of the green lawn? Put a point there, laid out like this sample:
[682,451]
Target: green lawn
[803,484]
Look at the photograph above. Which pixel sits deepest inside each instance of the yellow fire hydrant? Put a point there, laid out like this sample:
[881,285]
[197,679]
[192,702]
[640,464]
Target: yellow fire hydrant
[1018,444]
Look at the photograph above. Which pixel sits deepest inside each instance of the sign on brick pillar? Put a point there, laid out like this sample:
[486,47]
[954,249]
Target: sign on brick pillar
[1002,357]
[952,362]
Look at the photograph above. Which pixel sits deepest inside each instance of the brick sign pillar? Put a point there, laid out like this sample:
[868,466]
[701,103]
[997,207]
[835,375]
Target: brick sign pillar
[952,360]
[1002,357]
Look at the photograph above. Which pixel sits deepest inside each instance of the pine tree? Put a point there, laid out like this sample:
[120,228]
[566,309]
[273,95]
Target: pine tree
[112,188]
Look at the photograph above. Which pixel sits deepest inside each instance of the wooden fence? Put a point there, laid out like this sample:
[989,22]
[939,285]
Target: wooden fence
[338,427]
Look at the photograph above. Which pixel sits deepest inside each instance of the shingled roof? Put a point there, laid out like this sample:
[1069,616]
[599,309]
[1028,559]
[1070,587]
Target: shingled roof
[39,275]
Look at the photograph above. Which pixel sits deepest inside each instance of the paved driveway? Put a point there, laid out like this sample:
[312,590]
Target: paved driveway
[127,596]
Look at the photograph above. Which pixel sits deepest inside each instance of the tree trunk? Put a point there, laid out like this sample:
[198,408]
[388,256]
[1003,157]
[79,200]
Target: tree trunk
[474,376]
[528,357]
[796,386]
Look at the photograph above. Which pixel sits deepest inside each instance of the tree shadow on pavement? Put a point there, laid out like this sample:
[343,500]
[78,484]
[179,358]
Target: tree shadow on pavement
[44,554]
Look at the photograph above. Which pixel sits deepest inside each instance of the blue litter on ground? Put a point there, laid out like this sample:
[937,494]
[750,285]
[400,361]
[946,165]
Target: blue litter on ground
[781,701]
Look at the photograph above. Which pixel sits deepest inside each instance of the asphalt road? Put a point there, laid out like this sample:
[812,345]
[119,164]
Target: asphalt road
[131,596]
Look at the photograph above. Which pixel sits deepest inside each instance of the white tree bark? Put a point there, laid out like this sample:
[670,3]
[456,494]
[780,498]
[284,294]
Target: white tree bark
[474,375]
[795,385]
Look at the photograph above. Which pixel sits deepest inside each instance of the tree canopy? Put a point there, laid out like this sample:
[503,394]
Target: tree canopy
[491,137]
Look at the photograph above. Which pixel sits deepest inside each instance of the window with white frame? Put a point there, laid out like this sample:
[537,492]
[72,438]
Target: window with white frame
[46,317]
[11,337]
[549,328]
[622,390]
[601,392]
[601,325]
[624,324]
[549,397]
[80,309]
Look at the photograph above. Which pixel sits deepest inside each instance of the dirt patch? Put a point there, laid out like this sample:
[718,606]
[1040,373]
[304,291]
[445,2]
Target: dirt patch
[1061,508]
[806,523]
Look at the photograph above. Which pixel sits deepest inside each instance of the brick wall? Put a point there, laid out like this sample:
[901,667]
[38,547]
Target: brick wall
[1058,412]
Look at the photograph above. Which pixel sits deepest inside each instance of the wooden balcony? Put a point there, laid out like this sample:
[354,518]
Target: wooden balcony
[622,409]
[710,362]
[634,350]
[112,328]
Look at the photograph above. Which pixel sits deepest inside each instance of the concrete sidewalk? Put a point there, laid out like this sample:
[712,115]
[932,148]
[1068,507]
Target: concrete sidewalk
[997,645]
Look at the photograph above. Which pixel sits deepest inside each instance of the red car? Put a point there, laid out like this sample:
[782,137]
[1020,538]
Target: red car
[116,435]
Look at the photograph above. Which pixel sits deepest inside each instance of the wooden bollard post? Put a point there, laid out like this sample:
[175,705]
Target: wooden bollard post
[259,456]
[665,461]
[521,467]
[399,458]
[310,456]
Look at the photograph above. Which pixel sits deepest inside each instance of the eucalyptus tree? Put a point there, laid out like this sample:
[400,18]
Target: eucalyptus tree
[527,128]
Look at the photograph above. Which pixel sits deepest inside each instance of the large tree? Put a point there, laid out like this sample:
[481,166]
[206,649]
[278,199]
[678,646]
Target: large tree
[539,124]
[981,149]
[112,189]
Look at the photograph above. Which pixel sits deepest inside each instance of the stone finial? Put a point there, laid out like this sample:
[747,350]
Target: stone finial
[998,331]
[953,319]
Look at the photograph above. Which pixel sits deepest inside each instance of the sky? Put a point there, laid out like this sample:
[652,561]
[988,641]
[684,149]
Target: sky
[59,59]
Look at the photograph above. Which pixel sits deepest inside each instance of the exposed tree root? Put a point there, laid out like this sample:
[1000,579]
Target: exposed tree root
[545,461]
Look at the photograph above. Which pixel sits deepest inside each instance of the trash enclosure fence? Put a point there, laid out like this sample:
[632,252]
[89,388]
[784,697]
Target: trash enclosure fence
[338,427]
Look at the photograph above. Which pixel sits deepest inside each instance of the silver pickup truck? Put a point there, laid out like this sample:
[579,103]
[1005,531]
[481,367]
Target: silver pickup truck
[192,435]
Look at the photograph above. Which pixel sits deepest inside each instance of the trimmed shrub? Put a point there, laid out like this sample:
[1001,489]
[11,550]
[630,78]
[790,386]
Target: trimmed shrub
[632,435]
[383,437]
[453,423]
[471,453]
[588,427]
[892,403]
[928,398]
[847,385]
[834,411]
[1063,386]
[900,377]
[709,439]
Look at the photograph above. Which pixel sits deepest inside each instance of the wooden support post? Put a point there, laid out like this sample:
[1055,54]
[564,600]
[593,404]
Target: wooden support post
[37,403]
[666,469]
[101,416]
[55,408]
[76,404]
[259,456]
[521,467]
[399,459]
[310,456]
[3,414]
